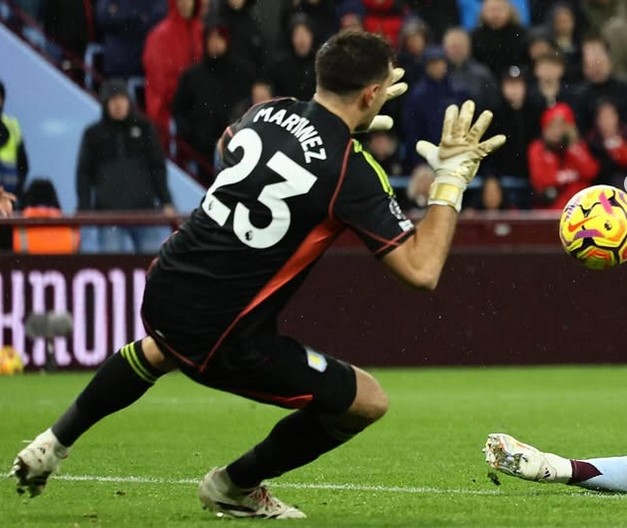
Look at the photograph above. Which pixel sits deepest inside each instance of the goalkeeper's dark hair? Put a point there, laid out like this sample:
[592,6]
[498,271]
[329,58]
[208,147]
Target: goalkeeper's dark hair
[351,60]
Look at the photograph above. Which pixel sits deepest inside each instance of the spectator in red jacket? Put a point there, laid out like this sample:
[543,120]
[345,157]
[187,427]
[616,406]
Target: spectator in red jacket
[171,47]
[608,143]
[560,163]
[384,17]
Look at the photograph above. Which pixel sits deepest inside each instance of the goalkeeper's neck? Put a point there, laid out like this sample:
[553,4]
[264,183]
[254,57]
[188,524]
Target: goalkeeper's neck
[350,108]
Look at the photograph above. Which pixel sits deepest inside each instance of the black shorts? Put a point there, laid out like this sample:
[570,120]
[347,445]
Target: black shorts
[265,367]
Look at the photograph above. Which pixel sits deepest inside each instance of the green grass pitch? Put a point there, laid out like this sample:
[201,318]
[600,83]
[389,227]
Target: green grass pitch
[420,466]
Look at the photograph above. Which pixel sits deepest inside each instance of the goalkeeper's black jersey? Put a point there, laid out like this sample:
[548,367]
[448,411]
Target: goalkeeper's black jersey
[293,179]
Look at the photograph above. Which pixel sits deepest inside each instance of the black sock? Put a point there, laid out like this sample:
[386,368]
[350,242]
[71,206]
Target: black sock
[296,440]
[121,380]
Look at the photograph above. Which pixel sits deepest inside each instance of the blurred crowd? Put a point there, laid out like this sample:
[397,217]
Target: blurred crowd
[554,72]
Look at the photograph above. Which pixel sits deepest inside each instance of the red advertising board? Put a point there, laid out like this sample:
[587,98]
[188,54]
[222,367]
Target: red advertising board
[515,298]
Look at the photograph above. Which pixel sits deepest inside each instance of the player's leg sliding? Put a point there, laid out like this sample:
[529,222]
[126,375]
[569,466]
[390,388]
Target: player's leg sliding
[120,381]
[296,440]
[508,455]
[601,474]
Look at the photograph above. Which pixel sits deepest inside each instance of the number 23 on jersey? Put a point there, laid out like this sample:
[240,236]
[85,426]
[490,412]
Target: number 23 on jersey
[298,181]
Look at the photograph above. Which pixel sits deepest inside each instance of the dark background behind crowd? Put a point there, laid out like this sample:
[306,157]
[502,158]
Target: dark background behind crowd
[554,72]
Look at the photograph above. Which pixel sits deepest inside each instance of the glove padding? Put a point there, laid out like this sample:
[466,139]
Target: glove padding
[456,160]
[381,123]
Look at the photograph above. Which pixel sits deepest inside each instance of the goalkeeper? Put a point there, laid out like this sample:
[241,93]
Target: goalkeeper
[293,179]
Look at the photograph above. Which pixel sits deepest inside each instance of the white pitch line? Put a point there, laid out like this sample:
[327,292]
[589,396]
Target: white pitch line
[306,485]
[330,486]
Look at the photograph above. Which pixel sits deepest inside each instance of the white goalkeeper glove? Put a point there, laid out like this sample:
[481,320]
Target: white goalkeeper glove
[456,160]
[382,123]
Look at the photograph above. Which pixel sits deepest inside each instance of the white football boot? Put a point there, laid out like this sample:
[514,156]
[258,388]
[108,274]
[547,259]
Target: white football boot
[36,462]
[506,454]
[216,494]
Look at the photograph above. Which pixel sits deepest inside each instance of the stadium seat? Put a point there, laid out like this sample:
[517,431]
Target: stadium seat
[35,37]
[172,143]
[5,11]
[93,52]
[136,86]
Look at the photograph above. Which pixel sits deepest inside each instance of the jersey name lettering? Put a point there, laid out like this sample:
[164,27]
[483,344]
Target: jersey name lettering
[299,127]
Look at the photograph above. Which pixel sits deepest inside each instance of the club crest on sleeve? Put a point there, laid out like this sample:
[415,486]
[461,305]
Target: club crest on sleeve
[316,360]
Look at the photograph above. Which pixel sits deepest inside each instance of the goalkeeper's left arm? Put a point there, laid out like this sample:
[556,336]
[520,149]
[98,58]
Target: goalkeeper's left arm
[420,259]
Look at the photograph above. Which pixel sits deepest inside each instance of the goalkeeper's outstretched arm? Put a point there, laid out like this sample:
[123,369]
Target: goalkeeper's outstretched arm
[418,262]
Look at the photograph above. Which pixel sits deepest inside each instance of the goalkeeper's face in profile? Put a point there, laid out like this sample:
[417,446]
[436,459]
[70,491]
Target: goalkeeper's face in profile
[356,67]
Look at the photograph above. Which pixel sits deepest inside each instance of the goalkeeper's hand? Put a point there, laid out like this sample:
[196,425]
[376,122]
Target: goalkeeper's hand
[396,89]
[456,160]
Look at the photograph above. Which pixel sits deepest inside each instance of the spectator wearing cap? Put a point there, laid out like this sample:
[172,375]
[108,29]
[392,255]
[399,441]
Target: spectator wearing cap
[293,74]
[413,40]
[499,41]
[41,201]
[467,73]
[208,93]
[172,46]
[350,14]
[519,119]
[121,167]
[560,163]
[423,110]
